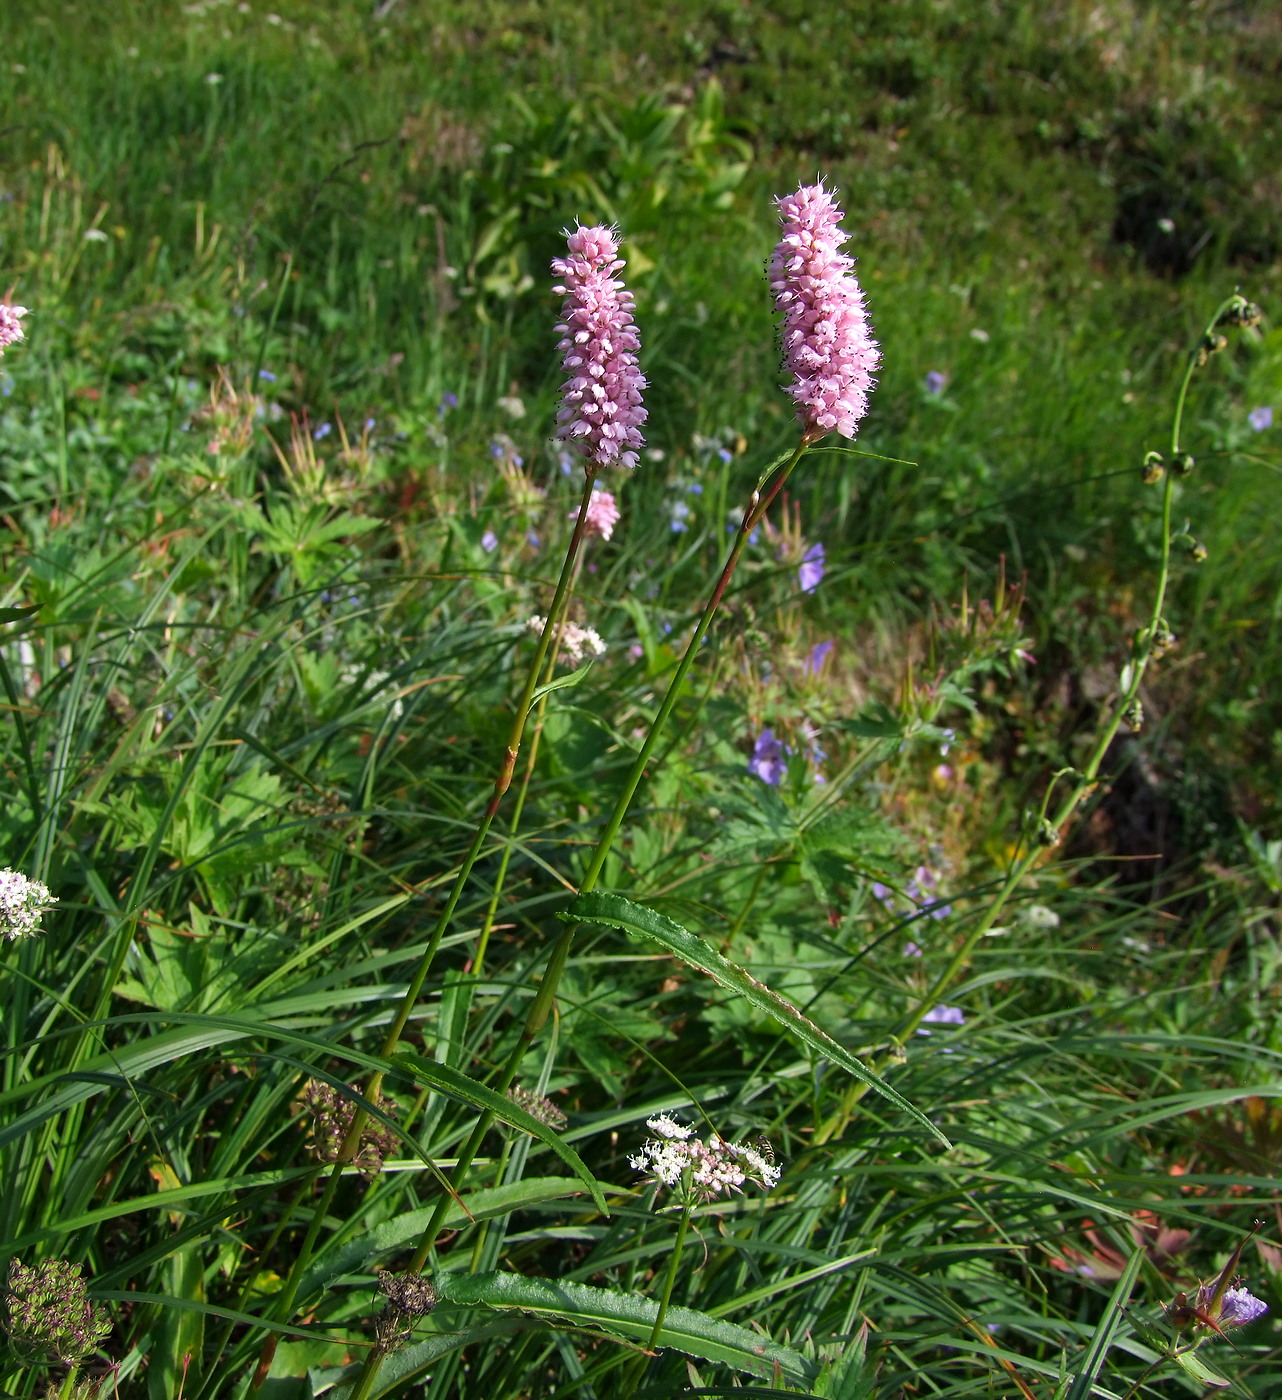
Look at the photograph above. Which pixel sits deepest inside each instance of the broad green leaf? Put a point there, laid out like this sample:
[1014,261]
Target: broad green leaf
[630,1317]
[17,614]
[1191,1362]
[1106,1331]
[404,1363]
[617,912]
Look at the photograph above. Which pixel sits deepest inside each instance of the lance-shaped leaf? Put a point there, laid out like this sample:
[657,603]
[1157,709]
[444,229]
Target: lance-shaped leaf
[618,912]
[459,1086]
[630,1317]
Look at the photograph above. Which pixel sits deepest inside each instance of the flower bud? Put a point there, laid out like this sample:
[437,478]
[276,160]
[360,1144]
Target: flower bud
[1241,313]
[1182,463]
[1151,471]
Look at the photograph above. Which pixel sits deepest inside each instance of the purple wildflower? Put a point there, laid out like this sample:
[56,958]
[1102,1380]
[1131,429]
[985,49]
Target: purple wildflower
[943,1016]
[322,432]
[1238,1307]
[601,410]
[267,375]
[769,760]
[726,455]
[818,655]
[489,542]
[448,401]
[935,381]
[811,572]
[827,346]
[1260,418]
[911,950]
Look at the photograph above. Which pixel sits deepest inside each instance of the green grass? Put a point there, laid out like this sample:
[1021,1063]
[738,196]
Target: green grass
[257,715]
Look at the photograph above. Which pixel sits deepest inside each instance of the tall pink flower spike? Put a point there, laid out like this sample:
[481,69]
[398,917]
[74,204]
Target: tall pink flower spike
[601,411]
[827,344]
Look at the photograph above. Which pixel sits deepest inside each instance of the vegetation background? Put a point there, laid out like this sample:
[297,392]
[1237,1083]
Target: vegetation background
[277,472]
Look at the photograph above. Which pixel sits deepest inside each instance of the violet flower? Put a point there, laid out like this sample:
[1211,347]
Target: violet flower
[769,760]
[827,345]
[601,411]
[1260,419]
[943,1016]
[811,572]
[936,380]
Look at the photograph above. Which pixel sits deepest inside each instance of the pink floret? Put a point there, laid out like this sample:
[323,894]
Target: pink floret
[10,324]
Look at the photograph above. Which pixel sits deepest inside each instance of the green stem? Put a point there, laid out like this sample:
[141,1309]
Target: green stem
[391,1041]
[665,1297]
[536,736]
[1141,655]
[758,880]
[283,1307]
[673,1260]
[762,498]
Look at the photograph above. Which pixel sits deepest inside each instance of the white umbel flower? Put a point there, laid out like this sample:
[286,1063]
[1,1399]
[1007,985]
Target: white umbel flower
[23,902]
[716,1167]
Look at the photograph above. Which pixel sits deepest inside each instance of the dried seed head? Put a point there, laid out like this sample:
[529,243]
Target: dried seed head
[48,1314]
[537,1106]
[407,1298]
[332,1116]
[411,1294]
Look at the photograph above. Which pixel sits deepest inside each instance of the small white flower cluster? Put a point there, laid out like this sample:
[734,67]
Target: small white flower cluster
[576,642]
[716,1167]
[22,903]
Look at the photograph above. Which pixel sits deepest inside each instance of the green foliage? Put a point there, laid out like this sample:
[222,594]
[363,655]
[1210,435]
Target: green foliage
[258,665]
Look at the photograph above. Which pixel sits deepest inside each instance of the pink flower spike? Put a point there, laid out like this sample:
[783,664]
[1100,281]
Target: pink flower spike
[10,324]
[601,411]
[603,513]
[827,344]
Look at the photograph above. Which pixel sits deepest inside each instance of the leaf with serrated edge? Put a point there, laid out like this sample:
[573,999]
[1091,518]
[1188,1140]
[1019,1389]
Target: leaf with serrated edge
[630,1317]
[618,912]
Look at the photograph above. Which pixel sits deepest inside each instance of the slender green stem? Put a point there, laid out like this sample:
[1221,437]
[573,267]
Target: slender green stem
[742,917]
[638,1368]
[670,1280]
[518,807]
[1086,779]
[762,498]
[283,1305]
[391,1041]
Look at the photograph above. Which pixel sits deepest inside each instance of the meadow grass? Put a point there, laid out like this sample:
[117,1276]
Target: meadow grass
[258,711]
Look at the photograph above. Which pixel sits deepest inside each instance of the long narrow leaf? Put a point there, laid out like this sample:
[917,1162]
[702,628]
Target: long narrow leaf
[630,1317]
[616,911]
[1106,1331]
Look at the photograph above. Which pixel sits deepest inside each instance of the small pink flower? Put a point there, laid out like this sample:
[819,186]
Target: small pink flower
[827,345]
[10,324]
[603,513]
[601,410]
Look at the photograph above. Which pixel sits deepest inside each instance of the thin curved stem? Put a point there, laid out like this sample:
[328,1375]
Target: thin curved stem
[1049,828]
[767,490]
